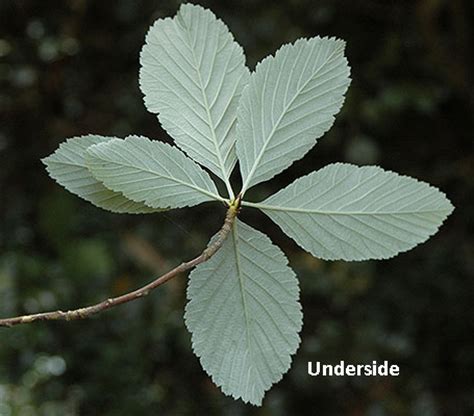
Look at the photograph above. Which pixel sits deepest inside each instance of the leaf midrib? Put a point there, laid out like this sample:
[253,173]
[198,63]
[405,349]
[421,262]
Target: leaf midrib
[235,242]
[348,213]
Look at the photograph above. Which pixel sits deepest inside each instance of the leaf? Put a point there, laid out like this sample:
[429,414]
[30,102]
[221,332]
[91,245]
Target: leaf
[151,172]
[192,75]
[67,166]
[244,314]
[290,102]
[357,213]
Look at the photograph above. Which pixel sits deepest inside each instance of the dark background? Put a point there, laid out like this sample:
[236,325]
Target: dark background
[70,67]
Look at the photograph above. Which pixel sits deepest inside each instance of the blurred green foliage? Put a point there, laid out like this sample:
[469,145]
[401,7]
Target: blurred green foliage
[70,67]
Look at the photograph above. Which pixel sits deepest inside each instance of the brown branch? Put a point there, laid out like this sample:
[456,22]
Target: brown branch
[86,312]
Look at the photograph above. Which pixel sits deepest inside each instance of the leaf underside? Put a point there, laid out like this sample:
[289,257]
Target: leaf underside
[290,102]
[192,75]
[243,311]
[357,213]
[67,166]
[152,172]
[244,314]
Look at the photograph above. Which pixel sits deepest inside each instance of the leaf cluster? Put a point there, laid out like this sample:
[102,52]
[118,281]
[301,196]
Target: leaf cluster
[244,312]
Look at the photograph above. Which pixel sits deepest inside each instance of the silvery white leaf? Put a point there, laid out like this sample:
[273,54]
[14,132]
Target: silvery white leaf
[357,213]
[152,172]
[244,314]
[192,75]
[290,101]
